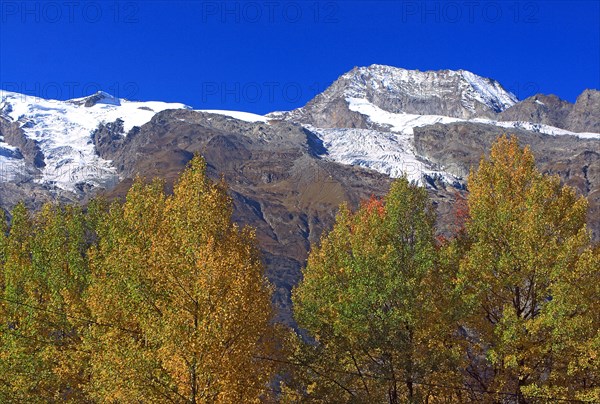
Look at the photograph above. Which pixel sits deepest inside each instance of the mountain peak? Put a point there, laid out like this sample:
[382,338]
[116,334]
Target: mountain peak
[477,95]
[449,93]
[101,97]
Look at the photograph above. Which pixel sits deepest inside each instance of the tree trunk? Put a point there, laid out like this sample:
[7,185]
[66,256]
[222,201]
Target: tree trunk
[393,393]
[411,393]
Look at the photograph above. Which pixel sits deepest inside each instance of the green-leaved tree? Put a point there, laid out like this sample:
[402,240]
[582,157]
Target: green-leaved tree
[530,279]
[379,305]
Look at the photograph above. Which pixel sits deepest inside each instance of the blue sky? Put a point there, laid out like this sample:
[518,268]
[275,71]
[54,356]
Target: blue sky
[261,56]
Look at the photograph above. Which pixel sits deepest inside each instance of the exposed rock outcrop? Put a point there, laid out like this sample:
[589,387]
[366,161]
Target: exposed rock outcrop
[14,136]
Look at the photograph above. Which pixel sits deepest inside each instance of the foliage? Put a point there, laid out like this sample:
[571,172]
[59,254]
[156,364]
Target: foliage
[161,298]
[529,247]
[182,293]
[44,275]
[378,304]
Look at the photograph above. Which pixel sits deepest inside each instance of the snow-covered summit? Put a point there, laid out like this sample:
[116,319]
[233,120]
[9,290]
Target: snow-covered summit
[450,93]
[455,93]
[367,116]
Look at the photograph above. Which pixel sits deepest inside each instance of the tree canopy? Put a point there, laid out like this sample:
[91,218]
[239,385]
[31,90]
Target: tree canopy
[162,298]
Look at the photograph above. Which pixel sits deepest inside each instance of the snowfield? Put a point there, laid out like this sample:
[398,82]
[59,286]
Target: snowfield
[63,129]
[400,123]
[389,153]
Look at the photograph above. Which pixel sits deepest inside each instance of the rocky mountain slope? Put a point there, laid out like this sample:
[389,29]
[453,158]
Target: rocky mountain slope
[583,116]
[367,117]
[289,171]
[279,183]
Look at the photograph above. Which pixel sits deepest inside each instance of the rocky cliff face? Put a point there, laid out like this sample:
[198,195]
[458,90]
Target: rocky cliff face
[540,108]
[585,115]
[14,136]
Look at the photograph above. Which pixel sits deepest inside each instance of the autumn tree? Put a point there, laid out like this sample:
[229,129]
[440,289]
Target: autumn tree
[529,278]
[44,274]
[3,247]
[573,316]
[378,307]
[15,359]
[179,295]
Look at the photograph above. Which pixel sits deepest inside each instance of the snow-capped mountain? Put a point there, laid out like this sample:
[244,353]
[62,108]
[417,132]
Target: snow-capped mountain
[288,172]
[366,118]
[458,94]
[60,133]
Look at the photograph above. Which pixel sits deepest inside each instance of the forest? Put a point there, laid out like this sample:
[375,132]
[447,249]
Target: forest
[161,298]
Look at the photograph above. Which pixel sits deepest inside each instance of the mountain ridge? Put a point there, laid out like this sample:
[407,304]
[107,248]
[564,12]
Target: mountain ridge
[289,171]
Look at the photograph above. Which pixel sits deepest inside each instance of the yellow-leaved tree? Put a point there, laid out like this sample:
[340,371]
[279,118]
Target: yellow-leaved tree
[44,273]
[182,306]
[531,280]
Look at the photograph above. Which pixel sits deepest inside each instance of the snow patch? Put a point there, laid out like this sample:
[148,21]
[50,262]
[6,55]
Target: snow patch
[401,123]
[242,116]
[404,123]
[538,128]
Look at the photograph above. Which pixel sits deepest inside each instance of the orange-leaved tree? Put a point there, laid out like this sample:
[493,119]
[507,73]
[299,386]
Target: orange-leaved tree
[179,294]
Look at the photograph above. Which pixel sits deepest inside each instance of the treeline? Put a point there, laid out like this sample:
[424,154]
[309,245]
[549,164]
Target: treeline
[161,298]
